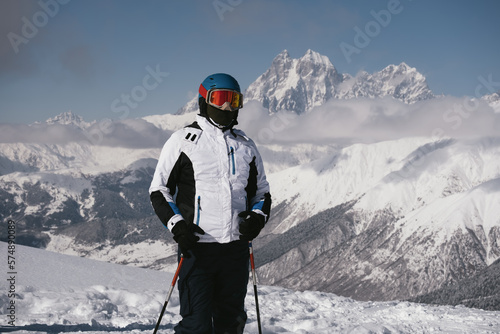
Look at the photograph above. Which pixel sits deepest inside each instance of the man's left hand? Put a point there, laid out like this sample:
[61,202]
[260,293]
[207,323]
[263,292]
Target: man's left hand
[251,225]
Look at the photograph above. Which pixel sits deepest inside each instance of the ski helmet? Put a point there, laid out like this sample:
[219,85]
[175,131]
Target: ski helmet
[219,80]
[222,116]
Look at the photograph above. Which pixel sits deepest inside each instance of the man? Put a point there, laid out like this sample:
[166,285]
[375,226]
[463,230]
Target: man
[210,190]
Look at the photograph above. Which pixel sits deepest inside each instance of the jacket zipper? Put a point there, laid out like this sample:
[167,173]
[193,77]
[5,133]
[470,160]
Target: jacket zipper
[231,153]
[198,211]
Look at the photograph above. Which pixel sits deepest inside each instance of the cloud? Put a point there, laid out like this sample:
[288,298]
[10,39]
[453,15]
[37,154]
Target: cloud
[131,133]
[357,120]
[38,133]
[373,120]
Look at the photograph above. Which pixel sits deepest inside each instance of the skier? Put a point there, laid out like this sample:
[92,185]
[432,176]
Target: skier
[210,190]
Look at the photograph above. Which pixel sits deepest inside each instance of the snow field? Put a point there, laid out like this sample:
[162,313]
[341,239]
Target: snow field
[60,290]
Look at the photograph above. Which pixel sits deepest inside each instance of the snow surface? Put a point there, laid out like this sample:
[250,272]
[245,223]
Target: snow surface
[62,293]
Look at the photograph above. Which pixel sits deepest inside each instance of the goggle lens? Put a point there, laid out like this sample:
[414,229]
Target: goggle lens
[219,97]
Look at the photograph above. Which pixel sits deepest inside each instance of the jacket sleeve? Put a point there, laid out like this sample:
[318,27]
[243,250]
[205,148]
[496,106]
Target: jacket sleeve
[259,196]
[163,185]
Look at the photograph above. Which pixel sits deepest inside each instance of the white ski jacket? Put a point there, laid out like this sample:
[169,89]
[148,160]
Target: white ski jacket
[207,177]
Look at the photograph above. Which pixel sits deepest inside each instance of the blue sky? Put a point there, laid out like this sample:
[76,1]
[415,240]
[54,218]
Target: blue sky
[88,56]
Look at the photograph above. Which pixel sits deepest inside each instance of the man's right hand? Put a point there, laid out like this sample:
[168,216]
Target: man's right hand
[184,235]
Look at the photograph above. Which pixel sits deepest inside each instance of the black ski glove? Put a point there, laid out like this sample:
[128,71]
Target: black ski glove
[251,225]
[184,236]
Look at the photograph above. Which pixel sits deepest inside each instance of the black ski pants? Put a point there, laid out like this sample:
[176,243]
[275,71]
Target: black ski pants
[212,289]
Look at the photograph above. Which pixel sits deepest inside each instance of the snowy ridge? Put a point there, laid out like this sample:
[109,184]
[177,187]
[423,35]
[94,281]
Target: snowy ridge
[377,176]
[172,122]
[76,156]
[72,294]
[69,118]
[295,84]
[301,84]
[190,107]
[402,82]
[493,100]
[364,217]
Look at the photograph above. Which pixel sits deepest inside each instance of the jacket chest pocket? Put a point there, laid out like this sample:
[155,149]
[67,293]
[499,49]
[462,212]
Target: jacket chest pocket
[232,164]
[239,160]
[198,210]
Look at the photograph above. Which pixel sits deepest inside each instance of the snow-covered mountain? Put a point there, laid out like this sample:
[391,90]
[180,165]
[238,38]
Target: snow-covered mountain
[69,118]
[479,291]
[385,220]
[402,82]
[59,293]
[301,84]
[493,100]
[295,84]
[378,221]
[354,215]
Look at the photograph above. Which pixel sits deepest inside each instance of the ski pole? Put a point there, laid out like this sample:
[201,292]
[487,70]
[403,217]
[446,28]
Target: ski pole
[169,293]
[252,264]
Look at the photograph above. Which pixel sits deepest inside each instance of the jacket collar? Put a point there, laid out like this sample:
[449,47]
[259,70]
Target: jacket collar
[206,125]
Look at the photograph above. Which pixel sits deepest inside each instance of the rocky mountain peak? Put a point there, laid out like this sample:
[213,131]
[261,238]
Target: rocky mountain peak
[300,84]
[295,84]
[314,57]
[68,118]
[282,57]
[492,98]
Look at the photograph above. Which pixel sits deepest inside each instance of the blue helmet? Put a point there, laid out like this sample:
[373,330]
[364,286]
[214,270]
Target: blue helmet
[216,113]
[218,80]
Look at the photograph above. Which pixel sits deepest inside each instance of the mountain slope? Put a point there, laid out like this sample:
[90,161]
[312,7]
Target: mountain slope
[481,290]
[97,297]
[364,224]
[419,213]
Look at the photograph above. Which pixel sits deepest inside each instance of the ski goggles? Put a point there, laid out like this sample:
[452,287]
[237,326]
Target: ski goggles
[225,99]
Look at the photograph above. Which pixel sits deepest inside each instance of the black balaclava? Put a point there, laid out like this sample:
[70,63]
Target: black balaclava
[222,119]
